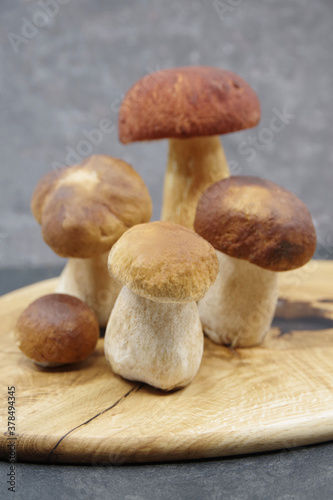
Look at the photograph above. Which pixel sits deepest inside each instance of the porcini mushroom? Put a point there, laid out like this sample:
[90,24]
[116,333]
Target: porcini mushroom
[258,229]
[190,106]
[57,329]
[83,210]
[154,334]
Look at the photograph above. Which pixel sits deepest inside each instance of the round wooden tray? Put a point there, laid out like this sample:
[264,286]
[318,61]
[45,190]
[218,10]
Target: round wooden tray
[278,395]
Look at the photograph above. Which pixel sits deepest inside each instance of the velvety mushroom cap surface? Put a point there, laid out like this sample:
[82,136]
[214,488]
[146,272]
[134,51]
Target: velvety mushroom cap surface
[187,102]
[164,262]
[85,208]
[256,220]
[57,329]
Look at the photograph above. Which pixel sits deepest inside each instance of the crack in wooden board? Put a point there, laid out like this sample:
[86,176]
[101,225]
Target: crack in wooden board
[309,323]
[136,389]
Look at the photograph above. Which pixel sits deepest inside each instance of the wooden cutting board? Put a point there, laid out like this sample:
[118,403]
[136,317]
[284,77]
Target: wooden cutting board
[279,395]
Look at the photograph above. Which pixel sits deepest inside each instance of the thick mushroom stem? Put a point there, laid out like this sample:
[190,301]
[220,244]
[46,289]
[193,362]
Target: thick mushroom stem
[238,309]
[153,342]
[89,280]
[193,165]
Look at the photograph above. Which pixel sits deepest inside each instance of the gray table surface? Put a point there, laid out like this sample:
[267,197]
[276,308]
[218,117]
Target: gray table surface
[300,473]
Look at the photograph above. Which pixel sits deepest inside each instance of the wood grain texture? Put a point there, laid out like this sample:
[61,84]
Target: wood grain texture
[279,395]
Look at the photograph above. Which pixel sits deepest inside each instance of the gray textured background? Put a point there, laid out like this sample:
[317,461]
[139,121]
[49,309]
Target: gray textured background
[72,72]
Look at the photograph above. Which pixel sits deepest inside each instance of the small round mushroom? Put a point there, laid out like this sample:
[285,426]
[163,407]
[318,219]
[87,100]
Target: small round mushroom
[190,106]
[83,210]
[154,334]
[57,329]
[258,230]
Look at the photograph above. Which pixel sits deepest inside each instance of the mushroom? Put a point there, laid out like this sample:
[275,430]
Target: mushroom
[154,334]
[83,210]
[57,329]
[190,106]
[258,229]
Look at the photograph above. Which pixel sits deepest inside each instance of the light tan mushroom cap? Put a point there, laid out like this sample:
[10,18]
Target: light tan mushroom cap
[57,329]
[187,102]
[256,220]
[84,209]
[164,262]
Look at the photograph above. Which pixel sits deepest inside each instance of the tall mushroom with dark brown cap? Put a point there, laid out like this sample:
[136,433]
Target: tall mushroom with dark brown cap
[258,229]
[154,333]
[190,106]
[83,210]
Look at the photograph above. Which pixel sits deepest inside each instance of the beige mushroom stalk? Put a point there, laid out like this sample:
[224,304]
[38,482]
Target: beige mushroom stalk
[154,334]
[83,210]
[191,106]
[258,229]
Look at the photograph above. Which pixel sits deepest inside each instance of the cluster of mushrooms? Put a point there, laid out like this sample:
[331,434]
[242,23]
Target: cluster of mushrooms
[210,265]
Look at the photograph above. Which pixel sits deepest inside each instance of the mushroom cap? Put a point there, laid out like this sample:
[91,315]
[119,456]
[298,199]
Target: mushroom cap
[187,102]
[256,220]
[164,262]
[57,329]
[84,209]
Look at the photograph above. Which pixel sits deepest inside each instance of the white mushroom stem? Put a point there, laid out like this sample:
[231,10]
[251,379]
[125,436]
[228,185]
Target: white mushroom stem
[157,343]
[238,309]
[89,280]
[193,165]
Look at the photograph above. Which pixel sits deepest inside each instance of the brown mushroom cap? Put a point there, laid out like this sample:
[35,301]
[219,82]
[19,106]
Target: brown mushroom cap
[186,102]
[84,209]
[164,262]
[57,329]
[256,220]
